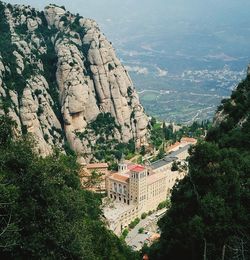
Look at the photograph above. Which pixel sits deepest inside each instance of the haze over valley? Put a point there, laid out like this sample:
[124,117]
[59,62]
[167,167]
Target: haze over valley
[183,57]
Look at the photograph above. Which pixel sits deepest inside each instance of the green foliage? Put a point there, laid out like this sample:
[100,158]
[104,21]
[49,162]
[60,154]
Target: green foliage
[134,223]
[11,79]
[143,215]
[68,149]
[104,124]
[38,92]
[44,213]
[40,110]
[124,234]
[7,128]
[129,91]
[160,154]
[150,212]
[113,166]
[46,137]
[143,150]
[211,205]
[21,28]
[161,133]
[141,230]
[175,166]
[164,204]
[156,136]
[107,147]
[234,130]
[93,180]
[110,67]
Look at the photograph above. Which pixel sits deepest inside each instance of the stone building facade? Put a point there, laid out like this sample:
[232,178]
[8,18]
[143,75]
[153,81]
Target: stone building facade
[136,189]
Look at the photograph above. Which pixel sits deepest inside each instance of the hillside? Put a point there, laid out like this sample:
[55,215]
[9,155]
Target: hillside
[209,216]
[59,76]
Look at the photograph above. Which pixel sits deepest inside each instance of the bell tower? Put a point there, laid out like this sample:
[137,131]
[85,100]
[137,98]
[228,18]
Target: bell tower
[122,166]
[138,185]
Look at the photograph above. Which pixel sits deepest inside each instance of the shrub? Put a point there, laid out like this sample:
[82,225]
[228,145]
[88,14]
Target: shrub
[124,233]
[163,204]
[174,166]
[134,223]
[141,230]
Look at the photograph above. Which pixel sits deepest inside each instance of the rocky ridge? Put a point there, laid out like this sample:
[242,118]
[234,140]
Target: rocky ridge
[58,74]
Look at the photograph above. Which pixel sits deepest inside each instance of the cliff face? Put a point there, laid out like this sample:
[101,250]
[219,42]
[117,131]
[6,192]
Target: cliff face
[235,110]
[58,74]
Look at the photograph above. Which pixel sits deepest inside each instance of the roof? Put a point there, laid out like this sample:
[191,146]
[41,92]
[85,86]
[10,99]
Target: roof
[166,160]
[180,150]
[117,209]
[173,146]
[137,168]
[188,140]
[169,158]
[131,166]
[119,177]
[96,165]
[156,177]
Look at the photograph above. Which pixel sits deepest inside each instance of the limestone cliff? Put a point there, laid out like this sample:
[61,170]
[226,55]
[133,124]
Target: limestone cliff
[58,72]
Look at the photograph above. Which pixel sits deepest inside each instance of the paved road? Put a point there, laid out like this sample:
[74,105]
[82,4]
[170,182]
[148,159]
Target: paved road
[136,240]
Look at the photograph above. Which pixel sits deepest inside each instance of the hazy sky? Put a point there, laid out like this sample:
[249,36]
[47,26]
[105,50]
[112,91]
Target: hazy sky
[143,13]
[161,39]
[190,27]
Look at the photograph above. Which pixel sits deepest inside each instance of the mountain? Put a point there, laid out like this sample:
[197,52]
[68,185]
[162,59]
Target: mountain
[210,207]
[60,80]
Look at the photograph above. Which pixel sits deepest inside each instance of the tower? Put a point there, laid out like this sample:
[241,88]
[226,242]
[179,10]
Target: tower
[138,185]
[122,166]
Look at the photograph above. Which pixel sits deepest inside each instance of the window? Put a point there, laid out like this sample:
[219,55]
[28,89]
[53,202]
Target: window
[120,188]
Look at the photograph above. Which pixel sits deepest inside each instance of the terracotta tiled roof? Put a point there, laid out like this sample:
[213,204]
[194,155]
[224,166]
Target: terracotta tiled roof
[188,140]
[97,165]
[131,166]
[155,237]
[119,177]
[138,168]
[173,146]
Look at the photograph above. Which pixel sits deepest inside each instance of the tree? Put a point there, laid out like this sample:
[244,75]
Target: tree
[174,166]
[214,198]
[143,150]
[44,213]
[93,179]
[141,230]
[8,128]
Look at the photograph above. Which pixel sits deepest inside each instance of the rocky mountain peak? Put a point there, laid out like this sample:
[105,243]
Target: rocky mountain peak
[61,80]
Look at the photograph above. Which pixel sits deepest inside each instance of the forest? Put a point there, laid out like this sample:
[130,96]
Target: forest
[210,207]
[44,213]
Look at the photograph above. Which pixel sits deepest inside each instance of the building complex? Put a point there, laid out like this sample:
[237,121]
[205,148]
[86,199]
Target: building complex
[136,189]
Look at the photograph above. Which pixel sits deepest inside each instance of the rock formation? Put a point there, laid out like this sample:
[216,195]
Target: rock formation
[58,74]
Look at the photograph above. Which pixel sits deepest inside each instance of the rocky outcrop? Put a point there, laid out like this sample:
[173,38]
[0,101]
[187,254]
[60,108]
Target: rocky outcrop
[235,105]
[248,70]
[69,75]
